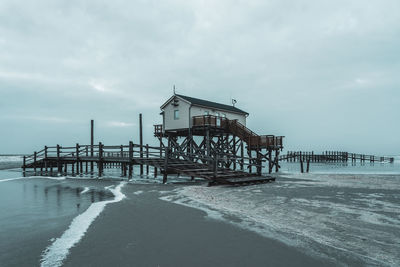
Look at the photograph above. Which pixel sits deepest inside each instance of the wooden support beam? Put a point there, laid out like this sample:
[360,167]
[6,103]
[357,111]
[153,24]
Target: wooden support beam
[77,158]
[141,141]
[276,160]
[270,165]
[100,160]
[147,157]
[59,166]
[165,175]
[301,166]
[130,159]
[166,158]
[34,161]
[215,167]
[87,154]
[91,145]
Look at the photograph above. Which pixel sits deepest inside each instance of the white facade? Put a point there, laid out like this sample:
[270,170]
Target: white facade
[178,113]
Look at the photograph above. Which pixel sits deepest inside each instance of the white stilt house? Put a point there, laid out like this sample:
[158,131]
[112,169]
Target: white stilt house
[179,110]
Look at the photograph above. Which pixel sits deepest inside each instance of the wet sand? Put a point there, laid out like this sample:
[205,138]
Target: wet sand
[143,230]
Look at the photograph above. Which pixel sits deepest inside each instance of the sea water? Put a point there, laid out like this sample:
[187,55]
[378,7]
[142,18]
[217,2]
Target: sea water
[346,214]
[37,211]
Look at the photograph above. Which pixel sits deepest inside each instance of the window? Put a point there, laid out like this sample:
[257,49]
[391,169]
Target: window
[223,115]
[176,114]
[206,112]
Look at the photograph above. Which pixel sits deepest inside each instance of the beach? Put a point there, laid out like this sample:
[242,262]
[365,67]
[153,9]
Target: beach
[315,219]
[146,231]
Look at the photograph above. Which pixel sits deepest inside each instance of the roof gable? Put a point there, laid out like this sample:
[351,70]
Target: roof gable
[206,103]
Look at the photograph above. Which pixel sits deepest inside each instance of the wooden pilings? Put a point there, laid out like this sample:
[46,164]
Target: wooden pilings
[130,159]
[165,174]
[330,156]
[91,144]
[141,141]
[100,160]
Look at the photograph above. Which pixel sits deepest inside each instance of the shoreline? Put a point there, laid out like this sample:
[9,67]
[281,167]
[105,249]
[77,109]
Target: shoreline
[144,230]
[300,220]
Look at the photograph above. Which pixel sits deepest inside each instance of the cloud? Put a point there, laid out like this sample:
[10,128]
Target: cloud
[282,60]
[119,124]
[98,86]
[51,119]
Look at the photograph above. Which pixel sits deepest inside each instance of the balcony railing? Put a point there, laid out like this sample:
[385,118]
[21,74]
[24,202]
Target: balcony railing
[158,129]
[234,127]
[210,120]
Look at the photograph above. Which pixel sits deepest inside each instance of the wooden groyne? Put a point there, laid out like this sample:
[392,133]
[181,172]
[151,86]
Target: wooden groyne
[331,156]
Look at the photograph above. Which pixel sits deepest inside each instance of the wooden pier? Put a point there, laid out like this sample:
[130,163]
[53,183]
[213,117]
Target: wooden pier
[219,150]
[331,156]
[81,159]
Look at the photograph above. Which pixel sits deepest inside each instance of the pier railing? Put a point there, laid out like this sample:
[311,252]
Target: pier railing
[239,130]
[331,156]
[53,156]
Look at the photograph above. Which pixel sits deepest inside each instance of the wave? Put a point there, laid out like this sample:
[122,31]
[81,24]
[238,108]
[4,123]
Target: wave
[337,225]
[10,158]
[34,177]
[56,253]
[86,189]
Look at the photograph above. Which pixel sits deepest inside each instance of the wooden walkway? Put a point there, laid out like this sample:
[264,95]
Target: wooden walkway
[82,159]
[331,156]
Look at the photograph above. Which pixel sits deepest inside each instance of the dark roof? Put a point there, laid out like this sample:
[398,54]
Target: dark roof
[201,102]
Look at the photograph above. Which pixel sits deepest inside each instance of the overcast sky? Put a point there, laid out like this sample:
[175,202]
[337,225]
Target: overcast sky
[326,74]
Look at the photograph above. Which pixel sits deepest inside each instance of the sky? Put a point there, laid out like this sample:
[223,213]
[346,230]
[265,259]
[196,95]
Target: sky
[325,74]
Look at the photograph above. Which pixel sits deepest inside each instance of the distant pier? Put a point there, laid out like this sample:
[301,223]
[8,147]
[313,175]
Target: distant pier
[331,156]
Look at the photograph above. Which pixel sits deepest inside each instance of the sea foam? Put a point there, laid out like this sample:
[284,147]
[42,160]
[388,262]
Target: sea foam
[33,177]
[55,254]
[315,222]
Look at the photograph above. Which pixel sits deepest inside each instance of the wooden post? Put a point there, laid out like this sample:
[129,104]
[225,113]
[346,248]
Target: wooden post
[270,165]
[308,166]
[234,151]
[276,160]
[208,142]
[147,157]
[24,163]
[87,154]
[59,167]
[121,155]
[45,158]
[250,158]
[77,159]
[215,167]
[301,166]
[166,164]
[259,162]
[100,161]
[130,159]
[34,161]
[141,141]
[73,165]
[241,155]
[124,169]
[91,145]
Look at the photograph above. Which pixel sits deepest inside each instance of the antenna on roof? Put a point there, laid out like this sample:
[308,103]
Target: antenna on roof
[234,102]
[174,89]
